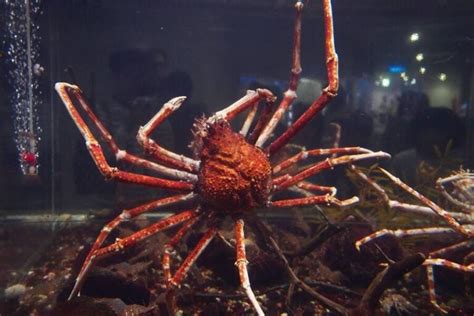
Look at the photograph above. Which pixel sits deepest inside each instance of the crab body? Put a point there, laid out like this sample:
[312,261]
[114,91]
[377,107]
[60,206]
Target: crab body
[234,175]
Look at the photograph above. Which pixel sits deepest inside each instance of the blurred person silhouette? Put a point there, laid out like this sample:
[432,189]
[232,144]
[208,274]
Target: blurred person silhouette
[438,140]
[397,136]
[136,75]
[356,125]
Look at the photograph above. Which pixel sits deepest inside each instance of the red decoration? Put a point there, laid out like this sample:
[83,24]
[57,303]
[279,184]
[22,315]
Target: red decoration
[28,157]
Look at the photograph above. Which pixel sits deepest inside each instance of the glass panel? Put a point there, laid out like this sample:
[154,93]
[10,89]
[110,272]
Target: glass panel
[406,85]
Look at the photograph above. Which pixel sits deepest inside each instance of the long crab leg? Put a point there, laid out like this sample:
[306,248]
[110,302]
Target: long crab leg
[328,93]
[171,244]
[429,263]
[249,100]
[399,233]
[99,158]
[327,164]
[305,154]
[290,94]
[305,185]
[441,212]
[441,182]
[158,152]
[263,120]
[464,245]
[120,244]
[120,155]
[316,199]
[248,121]
[129,214]
[241,264]
[192,257]
[416,209]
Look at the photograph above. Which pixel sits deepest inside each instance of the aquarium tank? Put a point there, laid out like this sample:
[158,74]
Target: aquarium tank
[224,157]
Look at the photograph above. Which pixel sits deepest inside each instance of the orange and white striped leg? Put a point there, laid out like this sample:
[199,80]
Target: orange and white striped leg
[192,257]
[290,94]
[127,215]
[329,163]
[327,94]
[313,200]
[305,154]
[241,264]
[159,153]
[399,233]
[429,263]
[450,220]
[95,149]
[66,90]
[131,240]
[251,99]
[171,244]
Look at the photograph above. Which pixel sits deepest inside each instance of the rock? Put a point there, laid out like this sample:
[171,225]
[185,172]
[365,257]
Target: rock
[338,253]
[102,283]
[14,291]
[84,305]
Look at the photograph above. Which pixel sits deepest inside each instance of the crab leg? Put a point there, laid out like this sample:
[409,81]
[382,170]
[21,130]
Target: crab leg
[440,184]
[328,93]
[169,247]
[467,245]
[158,152]
[127,215]
[97,154]
[290,94]
[327,164]
[127,242]
[315,199]
[305,154]
[241,264]
[263,120]
[248,121]
[403,233]
[429,263]
[441,212]
[417,209]
[120,155]
[192,257]
[305,185]
[250,99]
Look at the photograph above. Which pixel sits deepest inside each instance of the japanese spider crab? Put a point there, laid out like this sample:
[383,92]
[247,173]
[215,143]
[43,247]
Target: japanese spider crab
[458,189]
[230,173]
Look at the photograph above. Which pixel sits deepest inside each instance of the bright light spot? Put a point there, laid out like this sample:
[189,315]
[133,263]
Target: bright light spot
[385,82]
[442,76]
[419,57]
[422,70]
[404,76]
[413,81]
[414,37]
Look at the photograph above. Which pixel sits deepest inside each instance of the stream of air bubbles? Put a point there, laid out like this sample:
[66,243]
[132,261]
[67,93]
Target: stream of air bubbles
[22,43]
